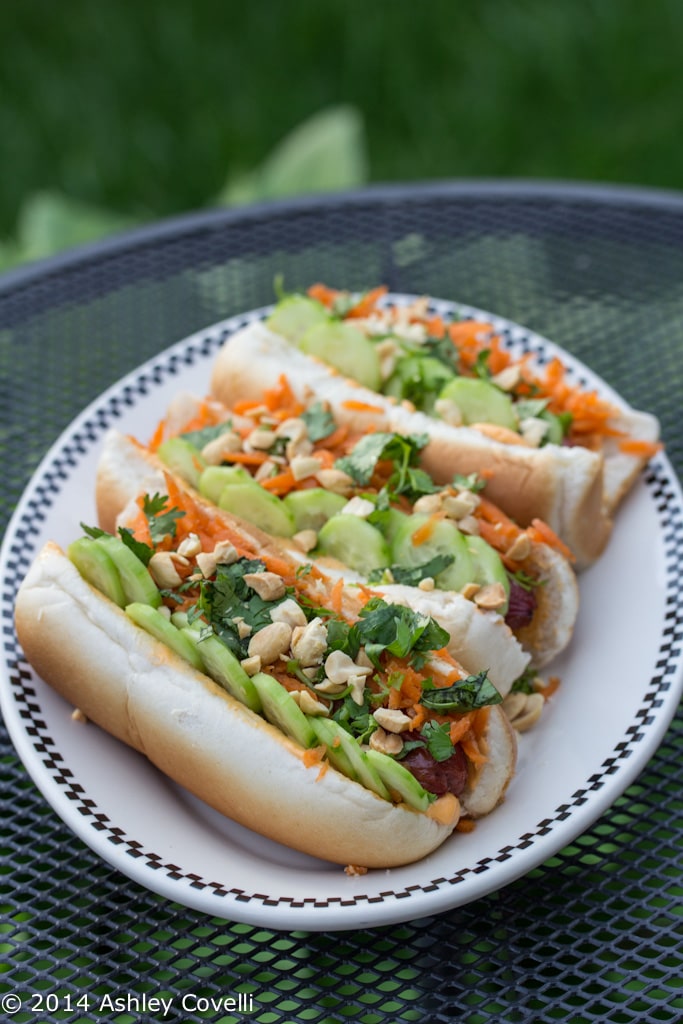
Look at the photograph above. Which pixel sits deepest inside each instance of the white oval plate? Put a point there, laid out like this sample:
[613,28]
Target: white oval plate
[621,680]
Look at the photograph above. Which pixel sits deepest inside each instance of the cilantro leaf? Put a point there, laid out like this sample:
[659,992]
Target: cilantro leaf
[143,551]
[398,630]
[438,740]
[465,695]
[412,575]
[94,531]
[472,482]
[403,452]
[202,437]
[361,462]
[445,351]
[228,597]
[525,682]
[161,523]
[481,365]
[319,421]
[355,718]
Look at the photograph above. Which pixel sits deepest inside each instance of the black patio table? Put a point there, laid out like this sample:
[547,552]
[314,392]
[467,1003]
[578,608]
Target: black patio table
[581,938]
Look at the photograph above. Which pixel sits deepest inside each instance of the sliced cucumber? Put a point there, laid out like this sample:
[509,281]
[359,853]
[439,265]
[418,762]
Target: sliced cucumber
[481,402]
[183,458]
[347,349]
[327,733]
[556,432]
[330,733]
[399,780]
[488,566]
[136,581]
[215,479]
[257,506]
[420,379]
[444,539]
[153,622]
[282,711]
[293,316]
[224,668]
[311,508]
[97,567]
[389,521]
[354,542]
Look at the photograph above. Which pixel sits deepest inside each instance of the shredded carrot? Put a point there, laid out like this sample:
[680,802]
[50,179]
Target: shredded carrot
[278,565]
[435,327]
[495,527]
[337,596]
[471,747]
[466,825]
[323,294]
[366,305]
[551,686]
[280,484]
[326,458]
[419,717]
[642,449]
[246,458]
[314,755]
[481,721]
[460,727]
[409,692]
[357,406]
[139,524]
[157,436]
[540,531]
[422,534]
[246,405]
[280,395]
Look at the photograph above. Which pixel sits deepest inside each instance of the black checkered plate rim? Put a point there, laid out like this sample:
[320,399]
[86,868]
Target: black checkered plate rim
[286,892]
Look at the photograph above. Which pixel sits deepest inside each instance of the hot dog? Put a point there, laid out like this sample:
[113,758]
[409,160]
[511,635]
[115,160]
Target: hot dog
[126,468]
[553,450]
[358,499]
[327,719]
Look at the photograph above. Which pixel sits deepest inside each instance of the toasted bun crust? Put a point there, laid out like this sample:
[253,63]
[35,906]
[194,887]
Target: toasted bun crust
[487,787]
[573,489]
[557,604]
[477,638]
[135,688]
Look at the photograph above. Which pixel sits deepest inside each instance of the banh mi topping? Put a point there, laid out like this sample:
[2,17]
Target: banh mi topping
[413,531]
[461,370]
[254,625]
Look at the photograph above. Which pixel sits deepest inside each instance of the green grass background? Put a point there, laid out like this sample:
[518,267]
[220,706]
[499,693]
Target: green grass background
[129,110]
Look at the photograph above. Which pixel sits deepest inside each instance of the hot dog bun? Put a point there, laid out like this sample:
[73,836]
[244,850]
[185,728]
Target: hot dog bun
[555,602]
[132,686]
[570,488]
[125,469]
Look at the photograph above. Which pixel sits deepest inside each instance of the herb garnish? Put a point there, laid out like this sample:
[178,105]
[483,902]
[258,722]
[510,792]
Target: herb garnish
[388,627]
[141,550]
[161,523]
[202,437]
[411,575]
[319,421]
[472,482]
[438,740]
[228,597]
[466,695]
[403,452]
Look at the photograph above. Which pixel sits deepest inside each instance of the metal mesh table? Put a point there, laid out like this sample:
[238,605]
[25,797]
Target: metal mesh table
[596,934]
